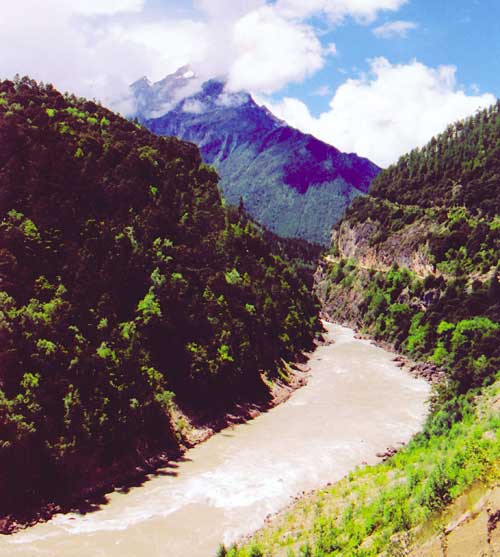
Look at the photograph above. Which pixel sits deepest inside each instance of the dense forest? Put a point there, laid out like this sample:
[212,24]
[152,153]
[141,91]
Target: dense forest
[440,203]
[126,286]
[416,265]
[458,167]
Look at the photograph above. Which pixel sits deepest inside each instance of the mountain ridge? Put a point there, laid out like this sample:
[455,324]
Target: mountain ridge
[291,182]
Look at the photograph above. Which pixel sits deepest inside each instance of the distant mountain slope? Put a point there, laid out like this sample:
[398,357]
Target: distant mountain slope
[292,183]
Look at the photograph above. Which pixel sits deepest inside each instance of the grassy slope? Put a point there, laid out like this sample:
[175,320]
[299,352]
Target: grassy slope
[387,508]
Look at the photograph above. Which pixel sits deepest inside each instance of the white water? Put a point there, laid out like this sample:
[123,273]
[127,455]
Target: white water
[356,404]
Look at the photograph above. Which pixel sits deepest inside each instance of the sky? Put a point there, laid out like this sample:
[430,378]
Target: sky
[375,77]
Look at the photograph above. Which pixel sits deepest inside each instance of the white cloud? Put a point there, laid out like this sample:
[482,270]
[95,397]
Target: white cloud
[362,10]
[192,40]
[393,29]
[96,48]
[106,7]
[228,9]
[330,49]
[322,91]
[388,112]
[193,106]
[72,45]
[294,112]
[231,100]
[271,51]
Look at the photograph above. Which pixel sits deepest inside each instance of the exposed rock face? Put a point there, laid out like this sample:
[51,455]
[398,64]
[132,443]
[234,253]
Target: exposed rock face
[292,183]
[408,247]
[473,533]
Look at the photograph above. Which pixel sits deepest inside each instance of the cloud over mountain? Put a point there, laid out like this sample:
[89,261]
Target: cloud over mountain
[98,47]
[388,111]
[264,63]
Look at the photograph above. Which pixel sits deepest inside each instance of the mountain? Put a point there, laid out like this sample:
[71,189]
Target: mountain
[423,249]
[159,97]
[415,265]
[127,292]
[292,183]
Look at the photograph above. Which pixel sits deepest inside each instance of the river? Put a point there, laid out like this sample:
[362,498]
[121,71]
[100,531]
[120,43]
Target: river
[357,403]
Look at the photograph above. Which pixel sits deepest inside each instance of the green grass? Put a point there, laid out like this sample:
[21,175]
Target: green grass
[381,508]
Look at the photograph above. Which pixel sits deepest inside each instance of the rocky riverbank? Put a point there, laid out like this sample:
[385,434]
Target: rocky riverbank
[428,371]
[192,428]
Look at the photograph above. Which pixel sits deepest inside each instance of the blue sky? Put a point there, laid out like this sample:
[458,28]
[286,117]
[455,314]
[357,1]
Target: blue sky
[377,77]
[462,33]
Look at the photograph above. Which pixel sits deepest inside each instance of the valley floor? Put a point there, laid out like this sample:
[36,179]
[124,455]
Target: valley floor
[224,488]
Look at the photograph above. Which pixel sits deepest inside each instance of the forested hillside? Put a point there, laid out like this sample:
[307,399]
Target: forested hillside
[416,265]
[420,257]
[125,288]
[459,167]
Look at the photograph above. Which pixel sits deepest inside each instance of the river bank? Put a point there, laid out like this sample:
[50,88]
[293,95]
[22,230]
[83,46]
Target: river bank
[192,428]
[224,488]
[437,497]
[430,372]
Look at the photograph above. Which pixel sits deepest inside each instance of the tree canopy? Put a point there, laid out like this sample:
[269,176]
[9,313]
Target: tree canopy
[124,282]
[461,166]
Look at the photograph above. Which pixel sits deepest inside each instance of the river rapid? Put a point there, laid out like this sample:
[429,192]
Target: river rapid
[357,403]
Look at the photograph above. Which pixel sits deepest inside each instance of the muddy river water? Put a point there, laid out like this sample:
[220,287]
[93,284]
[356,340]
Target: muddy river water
[357,403]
